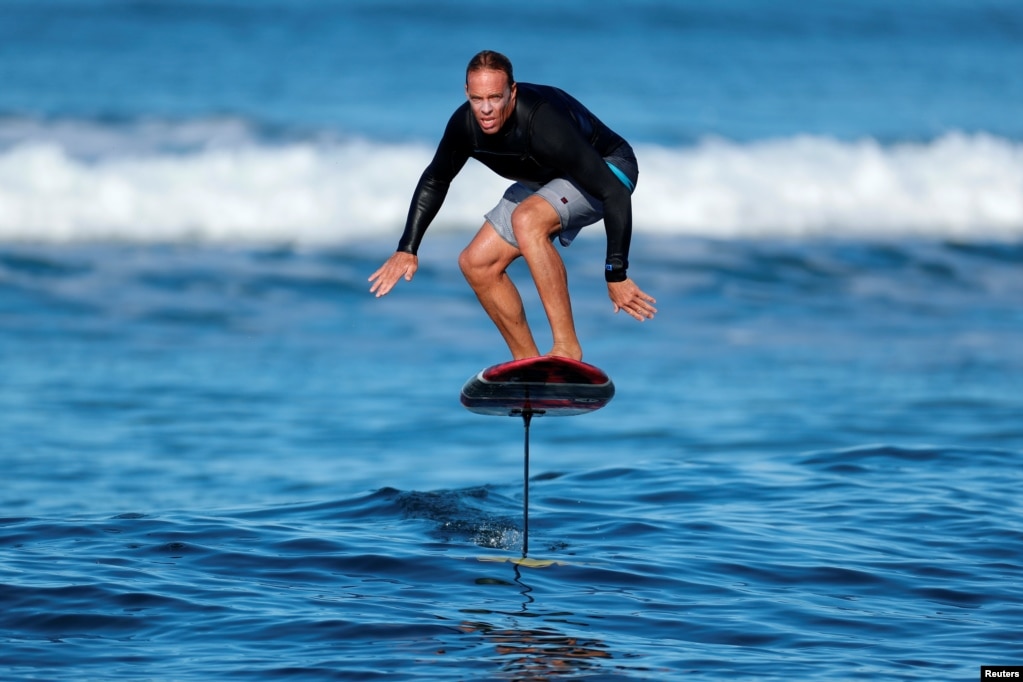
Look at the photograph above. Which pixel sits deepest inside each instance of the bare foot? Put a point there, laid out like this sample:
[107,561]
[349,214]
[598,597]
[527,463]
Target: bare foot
[575,353]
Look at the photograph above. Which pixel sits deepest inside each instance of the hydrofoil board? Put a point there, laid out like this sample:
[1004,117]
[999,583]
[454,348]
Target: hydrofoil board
[552,386]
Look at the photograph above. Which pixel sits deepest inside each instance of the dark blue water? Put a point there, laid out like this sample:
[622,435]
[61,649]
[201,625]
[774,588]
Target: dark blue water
[222,458]
[233,463]
[665,72]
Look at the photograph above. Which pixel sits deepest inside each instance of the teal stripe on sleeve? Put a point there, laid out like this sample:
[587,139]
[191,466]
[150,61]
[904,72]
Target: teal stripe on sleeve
[621,176]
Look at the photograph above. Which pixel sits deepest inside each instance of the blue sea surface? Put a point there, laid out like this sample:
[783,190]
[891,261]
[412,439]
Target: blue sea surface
[222,458]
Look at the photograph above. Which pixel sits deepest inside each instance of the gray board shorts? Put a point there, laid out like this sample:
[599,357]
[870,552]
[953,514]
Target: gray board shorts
[574,205]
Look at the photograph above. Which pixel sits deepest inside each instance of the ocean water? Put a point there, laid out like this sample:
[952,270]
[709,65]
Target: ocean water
[222,458]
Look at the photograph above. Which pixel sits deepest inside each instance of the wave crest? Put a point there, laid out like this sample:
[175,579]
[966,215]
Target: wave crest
[958,185]
[220,183]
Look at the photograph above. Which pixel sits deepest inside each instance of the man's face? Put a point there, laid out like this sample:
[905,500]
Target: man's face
[491,99]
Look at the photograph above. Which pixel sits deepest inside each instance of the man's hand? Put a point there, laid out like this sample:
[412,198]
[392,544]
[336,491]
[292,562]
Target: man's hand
[628,297]
[400,264]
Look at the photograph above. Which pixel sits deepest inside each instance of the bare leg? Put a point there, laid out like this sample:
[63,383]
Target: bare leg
[484,262]
[534,221]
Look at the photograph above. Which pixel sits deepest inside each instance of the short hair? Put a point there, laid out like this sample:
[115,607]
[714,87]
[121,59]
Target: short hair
[488,60]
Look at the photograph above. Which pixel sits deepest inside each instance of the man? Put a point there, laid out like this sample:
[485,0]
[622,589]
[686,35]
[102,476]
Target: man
[570,169]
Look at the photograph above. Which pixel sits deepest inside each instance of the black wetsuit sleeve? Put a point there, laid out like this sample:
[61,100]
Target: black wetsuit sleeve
[448,160]
[557,143]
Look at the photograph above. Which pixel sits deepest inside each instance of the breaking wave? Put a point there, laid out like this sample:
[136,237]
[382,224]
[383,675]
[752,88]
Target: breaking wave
[219,180]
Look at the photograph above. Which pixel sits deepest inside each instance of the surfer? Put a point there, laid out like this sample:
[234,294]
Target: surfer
[570,170]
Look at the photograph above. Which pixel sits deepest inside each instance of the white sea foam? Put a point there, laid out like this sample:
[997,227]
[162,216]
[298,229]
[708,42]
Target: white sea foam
[958,185]
[215,181]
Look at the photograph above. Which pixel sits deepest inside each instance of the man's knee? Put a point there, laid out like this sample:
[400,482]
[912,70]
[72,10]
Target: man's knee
[534,219]
[479,261]
[468,261]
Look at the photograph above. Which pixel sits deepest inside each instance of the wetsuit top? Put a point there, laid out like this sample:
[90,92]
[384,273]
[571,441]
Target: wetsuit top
[549,135]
